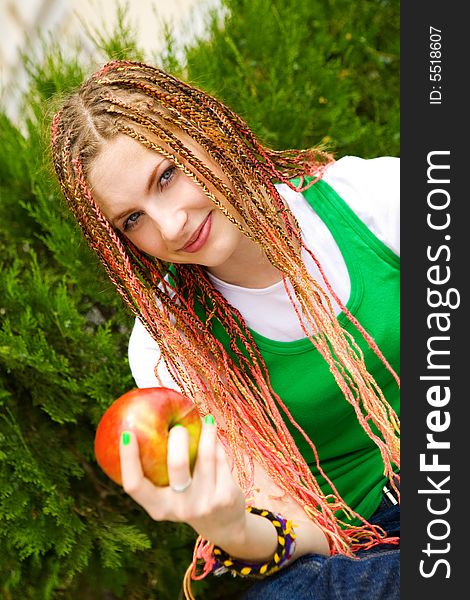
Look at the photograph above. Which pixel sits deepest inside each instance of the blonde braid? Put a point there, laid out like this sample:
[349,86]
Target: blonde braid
[147,105]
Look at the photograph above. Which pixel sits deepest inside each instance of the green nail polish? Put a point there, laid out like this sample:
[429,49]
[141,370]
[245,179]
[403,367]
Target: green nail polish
[126,438]
[209,419]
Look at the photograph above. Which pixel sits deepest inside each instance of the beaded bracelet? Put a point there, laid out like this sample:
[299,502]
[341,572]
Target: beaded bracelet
[284,551]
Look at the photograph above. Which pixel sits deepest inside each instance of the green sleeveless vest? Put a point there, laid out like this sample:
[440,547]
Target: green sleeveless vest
[302,378]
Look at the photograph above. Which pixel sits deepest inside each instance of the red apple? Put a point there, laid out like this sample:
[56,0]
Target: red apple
[149,413]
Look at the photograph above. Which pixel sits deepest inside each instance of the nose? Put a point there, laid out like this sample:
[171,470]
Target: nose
[171,222]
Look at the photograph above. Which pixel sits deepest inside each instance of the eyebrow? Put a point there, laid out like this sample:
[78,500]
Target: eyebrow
[153,174]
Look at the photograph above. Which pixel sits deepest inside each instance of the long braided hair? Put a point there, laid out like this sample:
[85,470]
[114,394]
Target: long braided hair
[159,111]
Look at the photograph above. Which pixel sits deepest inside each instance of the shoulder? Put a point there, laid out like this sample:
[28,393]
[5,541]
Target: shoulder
[355,167]
[371,187]
[362,181]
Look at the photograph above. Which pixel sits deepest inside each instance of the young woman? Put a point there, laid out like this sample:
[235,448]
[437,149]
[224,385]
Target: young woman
[266,288]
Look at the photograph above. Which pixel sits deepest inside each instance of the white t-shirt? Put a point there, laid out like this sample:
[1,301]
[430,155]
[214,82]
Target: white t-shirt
[371,188]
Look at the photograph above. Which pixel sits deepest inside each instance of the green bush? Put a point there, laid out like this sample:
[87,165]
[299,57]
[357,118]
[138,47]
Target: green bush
[301,73]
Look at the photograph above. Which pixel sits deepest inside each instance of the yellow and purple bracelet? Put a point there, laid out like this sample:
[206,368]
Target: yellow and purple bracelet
[284,551]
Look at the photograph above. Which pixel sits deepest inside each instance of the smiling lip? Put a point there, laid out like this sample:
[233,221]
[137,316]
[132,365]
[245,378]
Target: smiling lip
[200,237]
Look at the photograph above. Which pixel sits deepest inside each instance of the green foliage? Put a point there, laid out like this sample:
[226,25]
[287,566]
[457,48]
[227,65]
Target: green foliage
[300,73]
[307,72]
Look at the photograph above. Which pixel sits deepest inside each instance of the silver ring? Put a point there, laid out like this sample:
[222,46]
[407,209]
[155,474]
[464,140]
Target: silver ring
[179,489]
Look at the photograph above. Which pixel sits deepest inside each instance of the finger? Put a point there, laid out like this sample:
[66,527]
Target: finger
[131,467]
[223,460]
[134,482]
[205,469]
[224,475]
[178,457]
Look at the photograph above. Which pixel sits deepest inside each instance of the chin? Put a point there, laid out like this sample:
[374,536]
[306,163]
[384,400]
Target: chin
[216,263]
[215,255]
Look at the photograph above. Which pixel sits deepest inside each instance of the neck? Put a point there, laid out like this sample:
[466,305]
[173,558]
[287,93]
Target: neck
[248,267]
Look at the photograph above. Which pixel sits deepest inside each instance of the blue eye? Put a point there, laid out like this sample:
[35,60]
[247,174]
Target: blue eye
[167,176]
[131,221]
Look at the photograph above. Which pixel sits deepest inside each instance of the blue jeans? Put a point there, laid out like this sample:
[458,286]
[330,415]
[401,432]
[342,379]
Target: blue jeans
[376,576]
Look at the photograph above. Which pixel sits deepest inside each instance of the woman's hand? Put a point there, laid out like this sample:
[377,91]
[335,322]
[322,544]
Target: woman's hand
[213,503]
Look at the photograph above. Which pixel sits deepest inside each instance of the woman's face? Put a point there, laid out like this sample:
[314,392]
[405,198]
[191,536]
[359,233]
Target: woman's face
[159,208]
